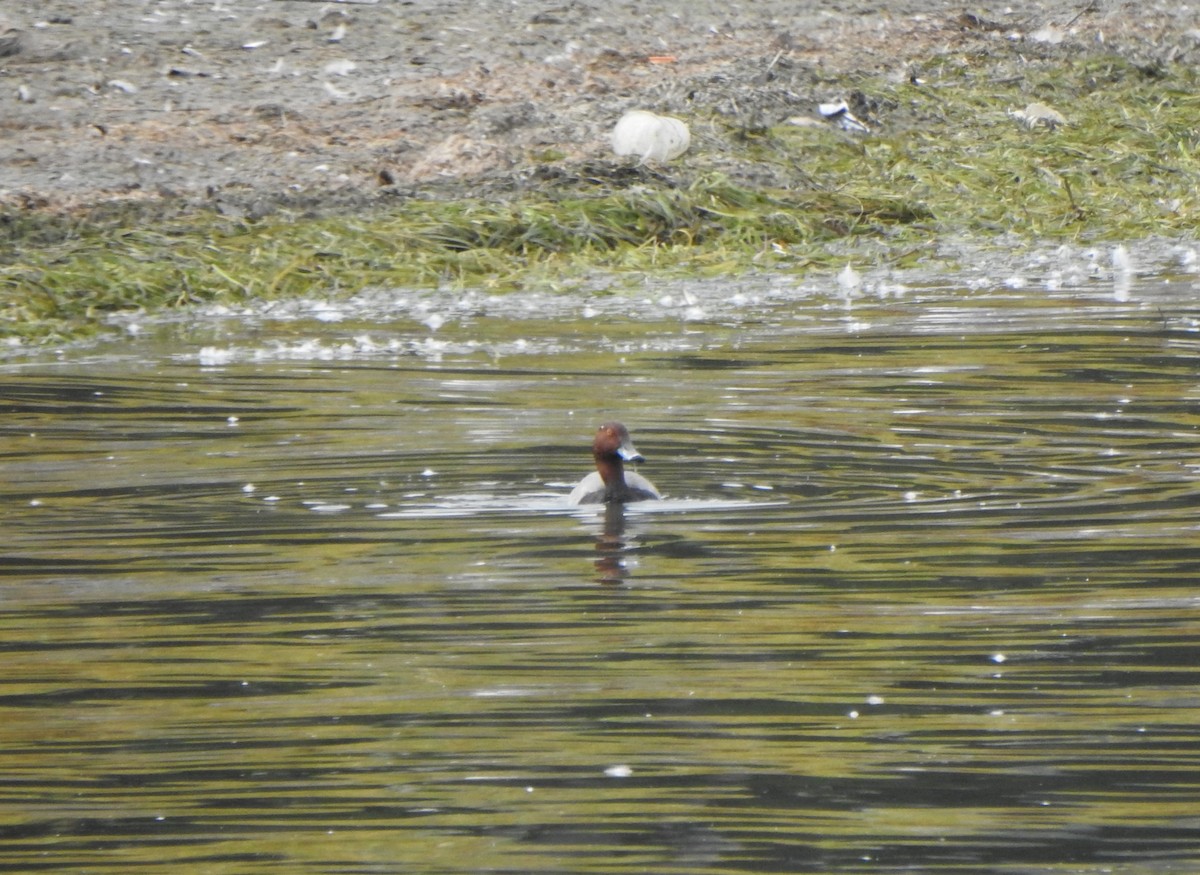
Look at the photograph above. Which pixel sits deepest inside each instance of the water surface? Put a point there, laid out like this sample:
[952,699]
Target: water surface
[296,590]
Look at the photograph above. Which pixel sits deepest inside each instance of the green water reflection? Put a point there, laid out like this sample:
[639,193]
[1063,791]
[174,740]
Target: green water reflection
[921,598]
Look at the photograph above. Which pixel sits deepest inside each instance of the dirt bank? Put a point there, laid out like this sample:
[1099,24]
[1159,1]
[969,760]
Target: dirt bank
[249,106]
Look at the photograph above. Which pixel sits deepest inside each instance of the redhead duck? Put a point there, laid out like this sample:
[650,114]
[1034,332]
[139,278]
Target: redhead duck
[609,482]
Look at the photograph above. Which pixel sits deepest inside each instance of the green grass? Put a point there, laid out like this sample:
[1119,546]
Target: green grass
[947,160]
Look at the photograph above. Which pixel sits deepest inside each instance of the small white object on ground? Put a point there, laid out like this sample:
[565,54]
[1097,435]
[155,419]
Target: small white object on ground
[650,137]
[839,111]
[1039,115]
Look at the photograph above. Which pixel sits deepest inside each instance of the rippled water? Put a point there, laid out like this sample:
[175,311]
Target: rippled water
[296,590]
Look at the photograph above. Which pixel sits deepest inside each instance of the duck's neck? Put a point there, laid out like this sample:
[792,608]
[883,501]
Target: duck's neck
[612,472]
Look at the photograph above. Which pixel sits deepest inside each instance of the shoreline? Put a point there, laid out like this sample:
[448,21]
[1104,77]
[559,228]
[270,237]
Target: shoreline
[449,177]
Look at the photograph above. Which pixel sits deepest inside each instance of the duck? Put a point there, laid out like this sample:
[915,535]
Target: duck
[609,484]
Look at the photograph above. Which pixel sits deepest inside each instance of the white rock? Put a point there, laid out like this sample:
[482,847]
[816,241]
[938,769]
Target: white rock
[650,137]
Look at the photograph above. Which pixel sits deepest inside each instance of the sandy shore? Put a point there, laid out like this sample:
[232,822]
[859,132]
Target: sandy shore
[249,106]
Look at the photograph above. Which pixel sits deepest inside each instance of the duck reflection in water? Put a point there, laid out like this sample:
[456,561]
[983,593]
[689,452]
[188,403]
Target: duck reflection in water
[611,547]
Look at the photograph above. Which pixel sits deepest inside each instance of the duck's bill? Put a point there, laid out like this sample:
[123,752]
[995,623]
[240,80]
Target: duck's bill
[629,454]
